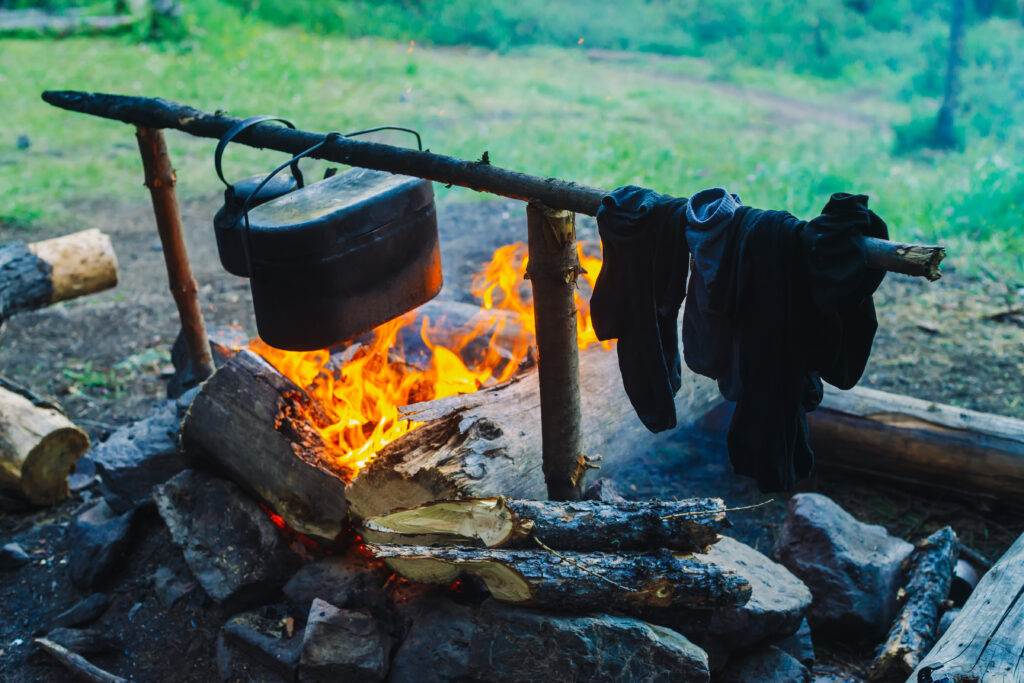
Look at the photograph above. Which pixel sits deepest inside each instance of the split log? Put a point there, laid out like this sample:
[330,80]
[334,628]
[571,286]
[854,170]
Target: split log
[629,582]
[42,273]
[38,448]
[919,260]
[986,641]
[259,428]
[913,633]
[951,450]
[690,525]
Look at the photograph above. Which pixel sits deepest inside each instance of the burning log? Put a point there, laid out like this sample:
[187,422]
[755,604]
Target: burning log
[689,525]
[626,581]
[42,273]
[255,425]
[986,641]
[954,450]
[558,194]
[913,633]
[38,447]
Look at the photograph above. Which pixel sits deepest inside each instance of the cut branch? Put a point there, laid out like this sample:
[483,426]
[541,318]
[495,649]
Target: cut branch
[482,177]
[38,448]
[579,525]
[913,633]
[569,580]
[78,665]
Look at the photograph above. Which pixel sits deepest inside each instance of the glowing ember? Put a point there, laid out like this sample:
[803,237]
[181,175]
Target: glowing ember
[361,396]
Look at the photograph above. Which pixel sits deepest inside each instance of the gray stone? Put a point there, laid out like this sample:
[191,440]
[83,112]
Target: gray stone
[170,588]
[852,568]
[945,621]
[233,549]
[436,648]
[98,539]
[254,647]
[522,645]
[770,665]
[778,600]
[83,612]
[13,556]
[799,645]
[138,456]
[352,581]
[342,645]
[603,489]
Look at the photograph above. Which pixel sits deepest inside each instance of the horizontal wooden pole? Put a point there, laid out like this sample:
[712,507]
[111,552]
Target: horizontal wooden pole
[481,176]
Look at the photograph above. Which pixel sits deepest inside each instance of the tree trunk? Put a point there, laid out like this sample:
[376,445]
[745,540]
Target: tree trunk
[572,581]
[687,525]
[986,641]
[41,273]
[931,568]
[259,428]
[945,127]
[919,443]
[39,446]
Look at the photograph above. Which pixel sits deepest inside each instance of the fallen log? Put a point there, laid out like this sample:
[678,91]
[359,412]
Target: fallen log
[986,641]
[259,428]
[27,23]
[627,581]
[42,273]
[930,569]
[38,448]
[928,445]
[919,260]
[689,525]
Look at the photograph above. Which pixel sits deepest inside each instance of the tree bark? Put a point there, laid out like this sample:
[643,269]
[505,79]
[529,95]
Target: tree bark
[950,450]
[986,641]
[41,273]
[259,428]
[686,525]
[912,634]
[552,270]
[476,175]
[945,127]
[572,581]
[39,446]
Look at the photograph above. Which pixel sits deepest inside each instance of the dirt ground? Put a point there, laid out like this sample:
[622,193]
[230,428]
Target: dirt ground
[105,358]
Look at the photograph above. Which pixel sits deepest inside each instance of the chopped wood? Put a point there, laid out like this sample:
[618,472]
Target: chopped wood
[951,450]
[930,569]
[689,525]
[41,273]
[78,665]
[986,641]
[570,581]
[39,446]
[911,259]
[259,428]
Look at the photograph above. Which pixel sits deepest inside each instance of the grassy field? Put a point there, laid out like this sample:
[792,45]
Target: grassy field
[781,137]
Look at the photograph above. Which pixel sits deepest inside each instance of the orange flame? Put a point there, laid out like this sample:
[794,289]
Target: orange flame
[362,391]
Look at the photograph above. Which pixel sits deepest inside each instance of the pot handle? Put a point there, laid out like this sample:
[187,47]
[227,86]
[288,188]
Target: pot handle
[238,128]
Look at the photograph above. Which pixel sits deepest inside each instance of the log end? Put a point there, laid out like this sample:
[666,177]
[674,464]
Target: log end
[44,473]
[82,263]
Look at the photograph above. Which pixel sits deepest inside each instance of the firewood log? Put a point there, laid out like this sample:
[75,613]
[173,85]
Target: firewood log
[39,274]
[913,632]
[38,448]
[986,641]
[927,445]
[571,581]
[690,525]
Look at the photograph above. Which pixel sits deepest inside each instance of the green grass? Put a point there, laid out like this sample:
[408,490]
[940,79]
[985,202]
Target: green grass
[675,125]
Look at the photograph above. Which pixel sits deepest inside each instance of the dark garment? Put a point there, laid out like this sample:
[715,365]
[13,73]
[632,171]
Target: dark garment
[638,293]
[789,304]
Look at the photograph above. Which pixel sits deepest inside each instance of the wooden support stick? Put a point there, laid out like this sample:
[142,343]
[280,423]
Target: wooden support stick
[477,175]
[160,180]
[77,664]
[552,270]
